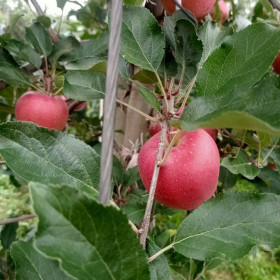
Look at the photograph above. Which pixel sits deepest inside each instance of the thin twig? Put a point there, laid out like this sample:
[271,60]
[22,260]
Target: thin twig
[17,219]
[275,4]
[145,224]
[138,111]
[270,152]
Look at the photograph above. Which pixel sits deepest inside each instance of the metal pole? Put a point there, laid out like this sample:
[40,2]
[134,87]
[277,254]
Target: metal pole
[110,101]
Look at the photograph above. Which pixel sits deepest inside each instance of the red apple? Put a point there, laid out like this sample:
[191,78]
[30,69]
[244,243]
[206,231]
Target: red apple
[189,176]
[276,64]
[81,106]
[43,110]
[224,11]
[212,132]
[154,128]
[200,8]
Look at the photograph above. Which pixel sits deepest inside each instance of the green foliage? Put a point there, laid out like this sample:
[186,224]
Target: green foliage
[90,227]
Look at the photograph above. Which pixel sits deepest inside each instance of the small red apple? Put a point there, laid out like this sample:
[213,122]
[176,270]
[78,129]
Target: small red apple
[43,110]
[224,11]
[276,64]
[81,106]
[190,174]
[200,8]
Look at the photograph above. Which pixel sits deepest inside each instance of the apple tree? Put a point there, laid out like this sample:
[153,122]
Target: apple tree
[203,71]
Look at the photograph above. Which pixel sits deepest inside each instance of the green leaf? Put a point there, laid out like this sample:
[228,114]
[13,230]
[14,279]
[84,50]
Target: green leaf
[89,54]
[125,68]
[270,181]
[149,97]
[99,243]
[159,267]
[134,2]
[32,265]
[212,37]
[188,49]
[257,109]
[8,235]
[84,86]
[9,70]
[229,226]
[240,62]
[264,140]
[135,212]
[142,42]
[49,157]
[226,178]
[62,48]
[145,77]
[45,21]
[241,165]
[37,35]
[61,3]
[22,52]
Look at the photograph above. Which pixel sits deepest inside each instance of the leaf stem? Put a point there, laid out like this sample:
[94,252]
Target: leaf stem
[270,152]
[138,111]
[150,259]
[145,224]
[162,90]
[170,146]
[17,219]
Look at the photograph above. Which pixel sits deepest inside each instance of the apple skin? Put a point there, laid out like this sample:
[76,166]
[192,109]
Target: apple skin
[224,10]
[276,64]
[212,132]
[200,8]
[154,128]
[190,174]
[43,110]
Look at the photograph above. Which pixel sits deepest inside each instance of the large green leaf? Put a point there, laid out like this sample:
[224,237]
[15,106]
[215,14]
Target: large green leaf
[257,109]
[92,241]
[23,52]
[89,54]
[240,62]
[142,42]
[212,37]
[37,35]
[229,226]
[84,86]
[63,47]
[51,157]
[241,165]
[32,265]
[10,72]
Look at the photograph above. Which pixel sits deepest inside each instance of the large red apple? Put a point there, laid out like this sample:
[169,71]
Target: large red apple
[43,110]
[189,176]
[224,11]
[276,64]
[200,8]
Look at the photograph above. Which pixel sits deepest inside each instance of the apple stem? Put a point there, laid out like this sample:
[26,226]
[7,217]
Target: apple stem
[138,111]
[145,224]
[170,146]
[153,257]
